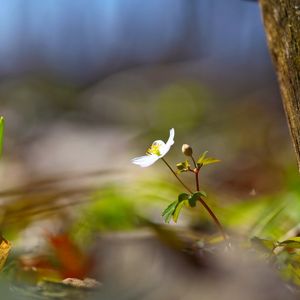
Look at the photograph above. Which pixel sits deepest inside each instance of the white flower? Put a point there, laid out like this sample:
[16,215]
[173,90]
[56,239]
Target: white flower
[157,150]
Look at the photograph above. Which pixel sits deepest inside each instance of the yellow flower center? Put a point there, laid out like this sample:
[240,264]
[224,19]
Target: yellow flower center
[154,149]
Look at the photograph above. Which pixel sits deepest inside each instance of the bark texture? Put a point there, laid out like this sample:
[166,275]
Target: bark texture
[282,25]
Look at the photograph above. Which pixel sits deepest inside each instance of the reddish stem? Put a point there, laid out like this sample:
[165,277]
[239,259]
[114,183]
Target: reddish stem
[197,180]
[216,220]
[211,213]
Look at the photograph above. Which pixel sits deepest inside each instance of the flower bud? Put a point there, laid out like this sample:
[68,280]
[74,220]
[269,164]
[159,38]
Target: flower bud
[187,150]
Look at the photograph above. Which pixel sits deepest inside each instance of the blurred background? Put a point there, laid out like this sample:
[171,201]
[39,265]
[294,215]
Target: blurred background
[85,87]
[90,86]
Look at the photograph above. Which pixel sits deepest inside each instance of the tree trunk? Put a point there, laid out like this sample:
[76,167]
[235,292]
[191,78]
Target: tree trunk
[282,25]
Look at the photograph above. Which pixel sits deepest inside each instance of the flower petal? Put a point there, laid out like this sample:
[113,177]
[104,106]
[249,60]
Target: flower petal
[155,153]
[164,149]
[170,141]
[145,161]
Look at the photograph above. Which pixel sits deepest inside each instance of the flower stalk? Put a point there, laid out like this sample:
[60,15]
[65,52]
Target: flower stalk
[182,183]
[208,209]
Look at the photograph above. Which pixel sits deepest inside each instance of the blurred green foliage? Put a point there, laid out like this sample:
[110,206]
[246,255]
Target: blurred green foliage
[111,209]
[267,216]
[123,207]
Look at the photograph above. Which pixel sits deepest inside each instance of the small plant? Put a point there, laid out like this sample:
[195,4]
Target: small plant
[157,151]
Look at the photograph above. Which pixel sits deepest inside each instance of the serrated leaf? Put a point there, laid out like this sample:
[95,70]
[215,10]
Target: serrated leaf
[291,243]
[1,134]
[210,160]
[169,211]
[177,210]
[173,210]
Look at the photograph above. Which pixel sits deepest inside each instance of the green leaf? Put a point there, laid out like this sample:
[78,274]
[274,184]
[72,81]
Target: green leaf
[183,166]
[203,194]
[1,134]
[182,197]
[193,198]
[291,243]
[169,211]
[173,210]
[180,167]
[210,160]
[199,194]
[178,209]
[201,159]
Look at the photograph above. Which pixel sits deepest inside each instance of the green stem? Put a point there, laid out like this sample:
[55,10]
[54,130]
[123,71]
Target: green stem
[194,162]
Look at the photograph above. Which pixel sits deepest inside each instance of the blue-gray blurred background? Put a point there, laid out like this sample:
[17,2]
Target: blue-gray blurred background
[88,85]
[84,42]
